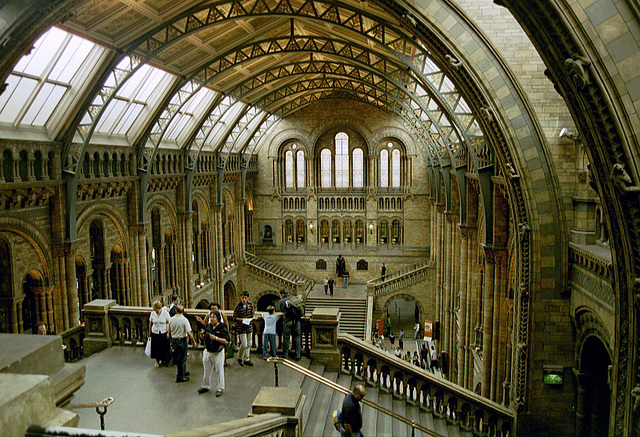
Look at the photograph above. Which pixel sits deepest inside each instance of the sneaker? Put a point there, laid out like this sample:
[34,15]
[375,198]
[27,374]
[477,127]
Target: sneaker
[218,393]
[202,390]
[187,373]
[240,362]
[248,363]
[264,358]
[185,379]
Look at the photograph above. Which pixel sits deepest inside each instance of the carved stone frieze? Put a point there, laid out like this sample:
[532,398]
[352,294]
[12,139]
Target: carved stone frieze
[102,190]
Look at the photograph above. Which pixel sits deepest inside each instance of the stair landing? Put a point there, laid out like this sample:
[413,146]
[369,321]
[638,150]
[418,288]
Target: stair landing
[353,291]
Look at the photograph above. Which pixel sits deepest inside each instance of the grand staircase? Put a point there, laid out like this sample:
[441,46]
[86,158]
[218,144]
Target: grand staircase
[277,275]
[322,400]
[353,313]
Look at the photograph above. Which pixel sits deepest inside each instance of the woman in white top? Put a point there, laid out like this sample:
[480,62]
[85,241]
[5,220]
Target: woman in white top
[159,333]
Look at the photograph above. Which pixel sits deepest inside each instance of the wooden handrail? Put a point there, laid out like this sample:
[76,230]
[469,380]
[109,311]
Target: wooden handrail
[337,387]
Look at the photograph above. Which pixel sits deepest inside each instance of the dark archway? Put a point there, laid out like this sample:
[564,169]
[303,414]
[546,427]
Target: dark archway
[267,299]
[33,305]
[5,287]
[229,295]
[594,393]
[96,234]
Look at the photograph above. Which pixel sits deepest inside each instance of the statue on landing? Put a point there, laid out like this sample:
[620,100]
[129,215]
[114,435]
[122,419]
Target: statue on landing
[341,266]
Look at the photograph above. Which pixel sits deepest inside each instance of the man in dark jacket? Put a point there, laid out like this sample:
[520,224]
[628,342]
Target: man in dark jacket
[291,326]
[243,315]
[351,414]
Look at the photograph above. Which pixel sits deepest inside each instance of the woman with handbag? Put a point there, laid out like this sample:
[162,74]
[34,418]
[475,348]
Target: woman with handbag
[159,333]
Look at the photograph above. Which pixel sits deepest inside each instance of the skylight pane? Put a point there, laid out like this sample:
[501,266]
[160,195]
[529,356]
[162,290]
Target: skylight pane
[43,52]
[177,125]
[110,116]
[130,86]
[20,95]
[44,104]
[12,82]
[150,84]
[129,117]
[71,59]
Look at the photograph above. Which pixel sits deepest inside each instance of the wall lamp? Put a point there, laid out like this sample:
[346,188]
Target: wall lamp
[311,227]
[371,227]
[564,133]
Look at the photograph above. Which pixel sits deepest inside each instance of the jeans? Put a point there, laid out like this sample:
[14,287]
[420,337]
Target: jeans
[245,346]
[343,433]
[213,361]
[291,327]
[268,345]
[345,280]
[180,356]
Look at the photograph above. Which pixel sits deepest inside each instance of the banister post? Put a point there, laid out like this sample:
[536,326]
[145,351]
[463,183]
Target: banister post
[97,326]
[324,337]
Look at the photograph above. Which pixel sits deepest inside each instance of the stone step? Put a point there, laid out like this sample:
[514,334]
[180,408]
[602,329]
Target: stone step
[384,425]
[336,403]
[309,388]
[319,411]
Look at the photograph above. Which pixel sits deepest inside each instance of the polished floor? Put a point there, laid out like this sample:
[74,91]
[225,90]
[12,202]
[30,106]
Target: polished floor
[148,400]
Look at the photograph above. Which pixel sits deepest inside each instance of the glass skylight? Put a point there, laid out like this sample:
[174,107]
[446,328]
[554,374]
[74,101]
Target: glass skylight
[189,114]
[45,76]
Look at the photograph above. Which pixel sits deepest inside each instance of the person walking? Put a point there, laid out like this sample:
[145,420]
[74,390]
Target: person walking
[345,280]
[331,282]
[351,414]
[383,271]
[401,339]
[326,286]
[216,337]
[159,332]
[434,357]
[180,330]
[417,333]
[243,315]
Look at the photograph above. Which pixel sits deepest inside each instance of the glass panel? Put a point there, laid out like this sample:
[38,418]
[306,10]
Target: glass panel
[21,92]
[395,168]
[325,168]
[44,104]
[128,119]
[43,52]
[288,165]
[131,85]
[358,168]
[300,168]
[342,160]
[384,168]
[71,59]
[115,108]
[335,231]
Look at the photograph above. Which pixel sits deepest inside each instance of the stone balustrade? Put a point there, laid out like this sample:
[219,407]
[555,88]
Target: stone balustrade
[444,399]
[73,341]
[399,280]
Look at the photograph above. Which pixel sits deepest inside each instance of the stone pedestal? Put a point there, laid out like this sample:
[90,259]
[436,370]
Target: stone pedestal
[287,401]
[97,326]
[324,337]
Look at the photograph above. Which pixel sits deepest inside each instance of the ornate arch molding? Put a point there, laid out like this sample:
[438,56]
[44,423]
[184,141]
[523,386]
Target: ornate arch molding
[110,211]
[272,291]
[329,123]
[160,200]
[588,324]
[576,65]
[286,135]
[40,243]
[407,296]
[407,140]
[201,197]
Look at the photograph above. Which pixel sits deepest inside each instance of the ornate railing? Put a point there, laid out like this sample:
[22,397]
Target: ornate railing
[130,327]
[73,343]
[268,274]
[399,280]
[418,387]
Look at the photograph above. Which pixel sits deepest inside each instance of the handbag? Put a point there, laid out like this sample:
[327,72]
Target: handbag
[147,348]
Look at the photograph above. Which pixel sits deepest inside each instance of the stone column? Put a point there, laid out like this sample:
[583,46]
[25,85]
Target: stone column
[72,289]
[464,293]
[14,318]
[487,334]
[45,167]
[472,301]
[496,347]
[2,168]
[20,321]
[144,269]
[447,340]
[241,229]
[31,174]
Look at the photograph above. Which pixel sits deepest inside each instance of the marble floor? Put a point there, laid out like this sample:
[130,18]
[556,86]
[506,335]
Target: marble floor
[148,400]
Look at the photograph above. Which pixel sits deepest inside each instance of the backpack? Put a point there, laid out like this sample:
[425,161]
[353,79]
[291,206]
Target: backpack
[296,307]
[336,419]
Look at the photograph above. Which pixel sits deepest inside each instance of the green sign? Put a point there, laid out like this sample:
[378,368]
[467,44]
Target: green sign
[553,378]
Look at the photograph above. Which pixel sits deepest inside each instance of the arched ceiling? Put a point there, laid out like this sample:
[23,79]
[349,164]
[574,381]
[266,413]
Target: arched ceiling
[273,58]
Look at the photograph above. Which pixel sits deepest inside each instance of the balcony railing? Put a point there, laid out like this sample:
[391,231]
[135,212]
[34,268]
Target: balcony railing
[418,387]
[399,280]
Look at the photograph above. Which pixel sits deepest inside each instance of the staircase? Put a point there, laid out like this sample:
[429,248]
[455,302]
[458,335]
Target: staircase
[276,275]
[353,313]
[322,400]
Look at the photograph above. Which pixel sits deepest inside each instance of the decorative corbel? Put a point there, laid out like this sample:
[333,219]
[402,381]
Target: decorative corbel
[523,230]
[635,393]
[511,171]
[487,114]
[621,179]
[576,70]
[636,292]
[455,64]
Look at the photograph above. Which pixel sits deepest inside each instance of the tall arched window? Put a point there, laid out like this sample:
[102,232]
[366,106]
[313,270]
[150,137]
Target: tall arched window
[325,168]
[395,168]
[300,168]
[358,168]
[288,165]
[384,168]
[342,160]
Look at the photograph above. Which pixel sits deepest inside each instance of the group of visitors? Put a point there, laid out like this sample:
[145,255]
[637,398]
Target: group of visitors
[170,330]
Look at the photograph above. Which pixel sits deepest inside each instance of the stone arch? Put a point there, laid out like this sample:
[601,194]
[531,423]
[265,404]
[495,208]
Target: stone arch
[329,123]
[404,296]
[162,201]
[266,298]
[36,239]
[230,295]
[285,136]
[203,304]
[112,213]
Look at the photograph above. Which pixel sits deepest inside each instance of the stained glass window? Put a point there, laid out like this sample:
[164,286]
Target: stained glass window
[288,166]
[358,168]
[325,168]
[300,168]
[384,168]
[342,160]
[395,168]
